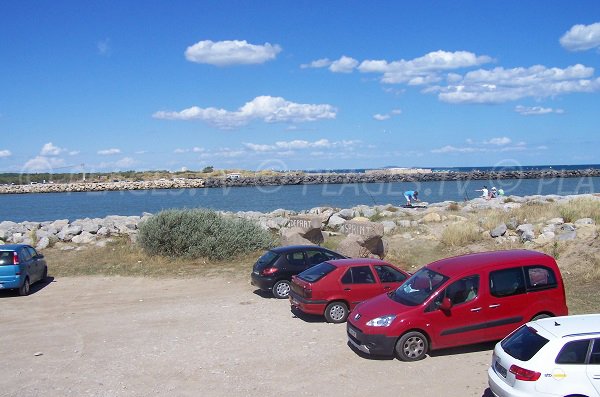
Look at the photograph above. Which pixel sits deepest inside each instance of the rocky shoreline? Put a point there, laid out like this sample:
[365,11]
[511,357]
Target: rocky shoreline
[293,179]
[363,230]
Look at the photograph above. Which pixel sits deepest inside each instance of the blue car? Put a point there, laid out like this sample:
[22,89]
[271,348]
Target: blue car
[21,266]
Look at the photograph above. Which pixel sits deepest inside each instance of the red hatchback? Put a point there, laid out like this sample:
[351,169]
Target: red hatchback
[335,287]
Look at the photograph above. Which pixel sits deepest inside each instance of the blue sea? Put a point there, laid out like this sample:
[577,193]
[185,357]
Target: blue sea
[52,206]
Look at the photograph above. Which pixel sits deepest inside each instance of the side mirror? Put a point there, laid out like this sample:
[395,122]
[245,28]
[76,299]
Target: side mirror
[446,304]
[40,256]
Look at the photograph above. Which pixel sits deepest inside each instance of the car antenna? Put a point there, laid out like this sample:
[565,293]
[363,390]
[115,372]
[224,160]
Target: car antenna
[556,324]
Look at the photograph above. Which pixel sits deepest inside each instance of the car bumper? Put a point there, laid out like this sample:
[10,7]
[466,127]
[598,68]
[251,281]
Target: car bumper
[376,344]
[307,306]
[263,283]
[11,282]
[500,388]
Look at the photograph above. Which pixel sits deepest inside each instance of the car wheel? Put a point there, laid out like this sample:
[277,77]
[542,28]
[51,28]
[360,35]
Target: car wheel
[412,346]
[24,289]
[336,312]
[540,316]
[281,289]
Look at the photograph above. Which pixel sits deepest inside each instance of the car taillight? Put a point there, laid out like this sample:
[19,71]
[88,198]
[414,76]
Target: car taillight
[268,271]
[15,258]
[524,374]
[307,293]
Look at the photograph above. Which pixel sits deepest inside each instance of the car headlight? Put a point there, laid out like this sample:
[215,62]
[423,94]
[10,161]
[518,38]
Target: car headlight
[383,321]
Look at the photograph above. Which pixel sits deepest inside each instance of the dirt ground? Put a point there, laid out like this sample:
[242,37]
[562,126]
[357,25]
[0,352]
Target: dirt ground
[115,336]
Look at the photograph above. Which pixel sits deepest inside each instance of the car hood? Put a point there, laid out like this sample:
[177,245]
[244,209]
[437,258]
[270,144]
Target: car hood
[381,305]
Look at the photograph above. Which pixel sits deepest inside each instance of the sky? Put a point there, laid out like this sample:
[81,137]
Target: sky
[106,86]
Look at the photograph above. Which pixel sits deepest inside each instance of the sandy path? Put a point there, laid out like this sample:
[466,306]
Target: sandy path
[202,337]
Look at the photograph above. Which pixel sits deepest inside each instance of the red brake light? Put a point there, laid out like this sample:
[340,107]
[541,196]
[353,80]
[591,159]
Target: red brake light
[15,258]
[524,374]
[268,271]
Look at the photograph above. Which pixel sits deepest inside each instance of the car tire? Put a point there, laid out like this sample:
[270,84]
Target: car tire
[336,312]
[412,346]
[540,316]
[25,288]
[281,289]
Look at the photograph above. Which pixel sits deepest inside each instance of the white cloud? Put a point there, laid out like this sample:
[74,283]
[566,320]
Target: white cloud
[41,163]
[319,63]
[422,70]
[269,109]
[179,150]
[502,85]
[493,145]
[381,117]
[582,37]
[300,144]
[5,153]
[343,65]
[108,152]
[499,141]
[74,152]
[230,52]
[125,162]
[536,110]
[197,149]
[50,150]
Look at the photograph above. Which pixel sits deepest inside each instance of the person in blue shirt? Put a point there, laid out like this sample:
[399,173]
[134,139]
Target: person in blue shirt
[411,195]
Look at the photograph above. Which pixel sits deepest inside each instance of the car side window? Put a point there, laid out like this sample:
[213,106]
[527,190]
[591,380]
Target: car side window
[573,352]
[331,256]
[358,275]
[461,291]
[32,252]
[388,274]
[296,258]
[595,354]
[507,282]
[539,277]
[315,257]
[24,255]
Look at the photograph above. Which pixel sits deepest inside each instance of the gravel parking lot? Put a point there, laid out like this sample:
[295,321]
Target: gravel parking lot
[114,336]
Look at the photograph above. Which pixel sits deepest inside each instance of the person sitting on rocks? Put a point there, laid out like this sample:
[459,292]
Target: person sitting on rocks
[493,192]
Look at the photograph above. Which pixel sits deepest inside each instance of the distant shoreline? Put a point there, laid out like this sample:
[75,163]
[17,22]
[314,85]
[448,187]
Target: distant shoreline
[295,179]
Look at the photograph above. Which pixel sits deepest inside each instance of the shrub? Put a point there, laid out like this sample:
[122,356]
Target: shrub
[200,233]
[580,208]
[453,206]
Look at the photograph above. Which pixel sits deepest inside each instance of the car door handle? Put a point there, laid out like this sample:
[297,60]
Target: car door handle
[347,289]
[494,305]
[476,309]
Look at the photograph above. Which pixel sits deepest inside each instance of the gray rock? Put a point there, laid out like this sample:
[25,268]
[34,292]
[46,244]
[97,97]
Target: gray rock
[44,242]
[369,212]
[585,221]
[5,234]
[568,235]
[499,230]
[404,223]
[526,227]
[549,229]
[103,231]
[84,238]
[346,213]
[556,221]
[335,221]
[512,224]
[527,235]
[567,227]
[388,226]
[293,236]
[16,238]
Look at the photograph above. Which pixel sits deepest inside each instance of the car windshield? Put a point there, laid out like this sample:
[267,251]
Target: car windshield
[317,272]
[524,343]
[418,287]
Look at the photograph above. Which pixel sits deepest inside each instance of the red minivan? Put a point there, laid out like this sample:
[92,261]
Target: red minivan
[333,288]
[459,301]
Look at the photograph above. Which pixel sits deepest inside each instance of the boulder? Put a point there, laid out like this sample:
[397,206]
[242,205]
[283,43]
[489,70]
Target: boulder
[431,217]
[585,221]
[335,221]
[556,221]
[42,243]
[526,227]
[346,213]
[404,223]
[388,226]
[356,246]
[499,230]
[527,235]
[84,238]
[368,212]
[568,235]
[567,227]
[512,224]
[293,236]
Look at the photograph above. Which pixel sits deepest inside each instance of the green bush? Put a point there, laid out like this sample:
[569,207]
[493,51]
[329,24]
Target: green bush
[196,233]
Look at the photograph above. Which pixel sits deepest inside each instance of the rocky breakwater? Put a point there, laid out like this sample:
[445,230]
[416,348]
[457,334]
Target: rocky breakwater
[362,231]
[102,186]
[338,178]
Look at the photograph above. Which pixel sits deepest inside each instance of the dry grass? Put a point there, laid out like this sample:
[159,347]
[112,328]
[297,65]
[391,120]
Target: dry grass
[460,234]
[121,258]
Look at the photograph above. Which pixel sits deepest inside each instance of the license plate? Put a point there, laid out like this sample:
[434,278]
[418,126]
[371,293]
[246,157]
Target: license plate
[352,332]
[500,369]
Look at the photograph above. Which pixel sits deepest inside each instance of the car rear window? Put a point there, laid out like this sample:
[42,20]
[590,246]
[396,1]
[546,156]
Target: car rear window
[316,272]
[6,257]
[524,343]
[267,259]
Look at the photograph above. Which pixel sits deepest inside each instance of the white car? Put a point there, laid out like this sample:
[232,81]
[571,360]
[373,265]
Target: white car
[557,356]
